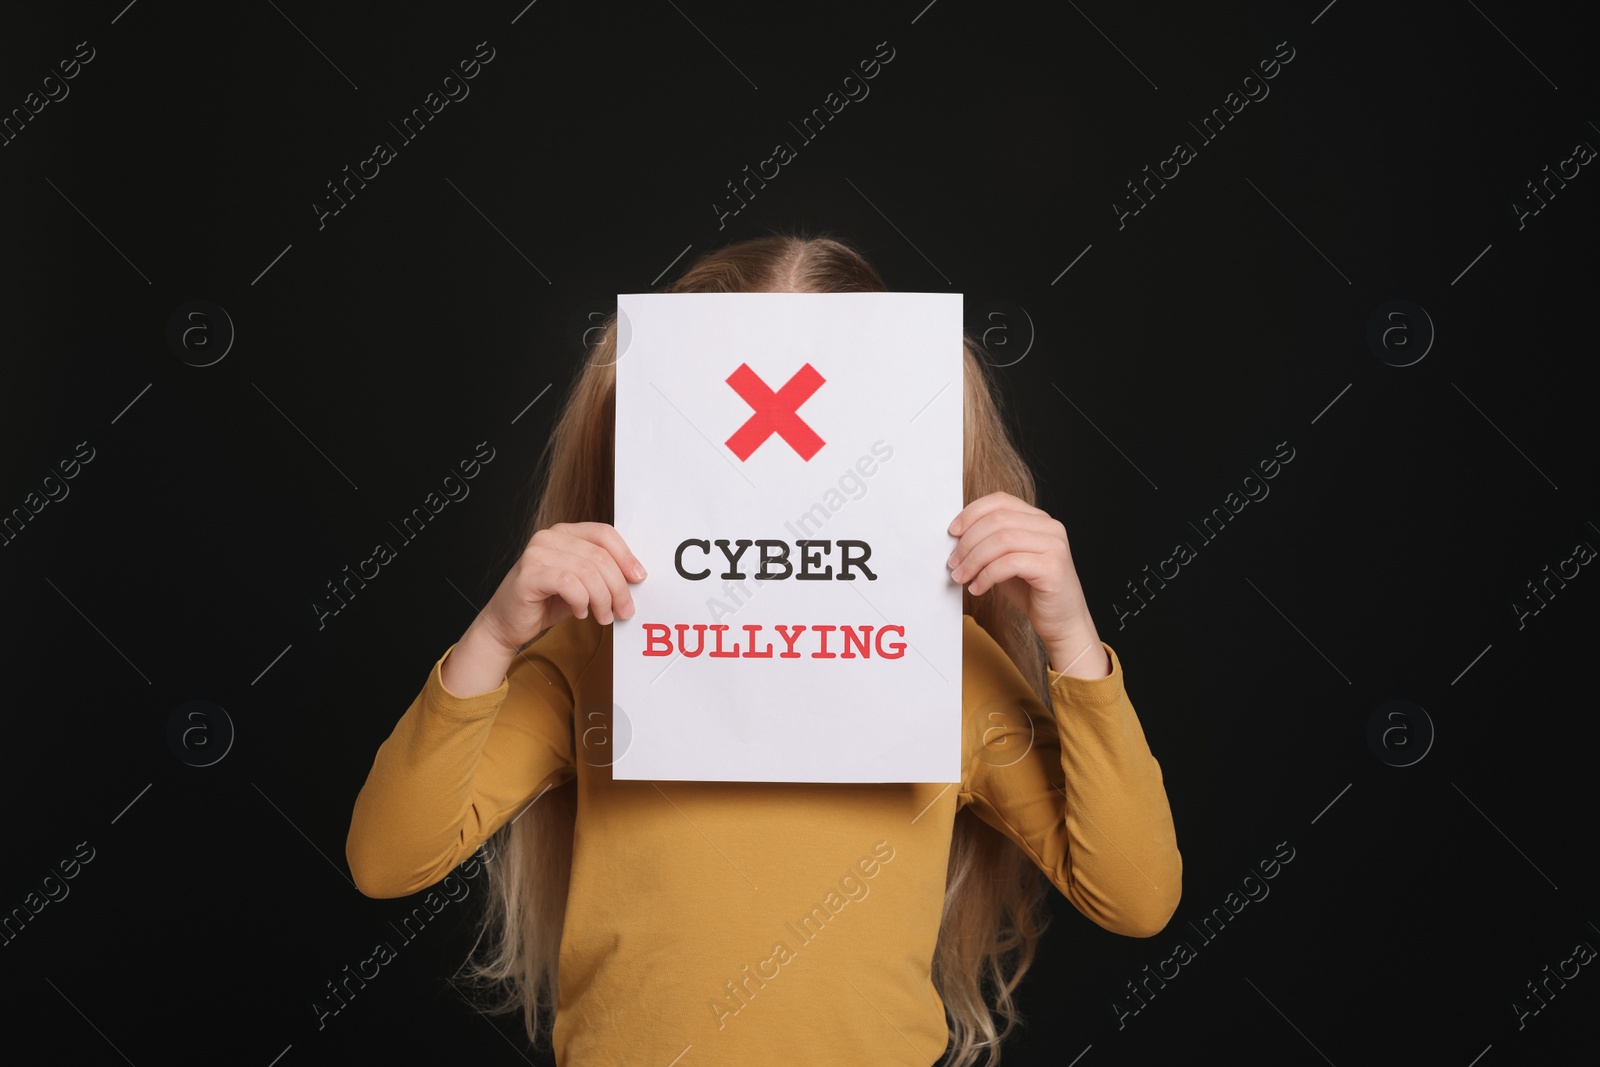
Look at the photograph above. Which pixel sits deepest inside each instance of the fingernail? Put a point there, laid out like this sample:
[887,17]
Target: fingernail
[638,572]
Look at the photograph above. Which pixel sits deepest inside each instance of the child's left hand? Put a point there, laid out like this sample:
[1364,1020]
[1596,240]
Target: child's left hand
[1005,543]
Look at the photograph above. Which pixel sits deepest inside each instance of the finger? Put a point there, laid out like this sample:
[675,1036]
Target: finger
[621,597]
[982,506]
[607,537]
[618,596]
[995,521]
[1029,566]
[599,592]
[999,544]
[564,585]
[555,570]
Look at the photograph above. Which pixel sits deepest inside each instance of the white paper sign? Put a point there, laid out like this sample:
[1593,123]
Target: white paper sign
[815,439]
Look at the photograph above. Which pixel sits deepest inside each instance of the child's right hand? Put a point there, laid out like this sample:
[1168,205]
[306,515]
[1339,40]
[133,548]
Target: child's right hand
[569,569]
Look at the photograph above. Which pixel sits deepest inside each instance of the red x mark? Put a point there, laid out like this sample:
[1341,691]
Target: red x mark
[775,412]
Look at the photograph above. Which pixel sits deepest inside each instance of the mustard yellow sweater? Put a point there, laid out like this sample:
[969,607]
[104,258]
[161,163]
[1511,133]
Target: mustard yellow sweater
[742,922]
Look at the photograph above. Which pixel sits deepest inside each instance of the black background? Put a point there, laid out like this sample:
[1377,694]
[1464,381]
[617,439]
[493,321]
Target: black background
[1229,315]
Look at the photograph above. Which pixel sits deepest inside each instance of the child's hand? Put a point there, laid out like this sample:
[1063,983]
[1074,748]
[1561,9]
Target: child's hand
[1006,544]
[570,569]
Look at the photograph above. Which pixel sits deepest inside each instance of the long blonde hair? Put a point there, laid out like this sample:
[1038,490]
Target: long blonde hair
[994,906]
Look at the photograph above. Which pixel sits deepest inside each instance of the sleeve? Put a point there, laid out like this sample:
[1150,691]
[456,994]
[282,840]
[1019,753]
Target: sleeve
[455,769]
[1074,786]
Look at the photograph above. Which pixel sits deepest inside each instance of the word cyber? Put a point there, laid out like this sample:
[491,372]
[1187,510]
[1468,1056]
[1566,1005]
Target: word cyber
[772,563]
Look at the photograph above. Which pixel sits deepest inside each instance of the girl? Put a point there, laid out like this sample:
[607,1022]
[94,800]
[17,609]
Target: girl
[686,923]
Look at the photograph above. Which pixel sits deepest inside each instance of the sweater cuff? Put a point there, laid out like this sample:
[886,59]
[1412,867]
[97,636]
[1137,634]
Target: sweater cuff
[1075,690]
[442,701]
